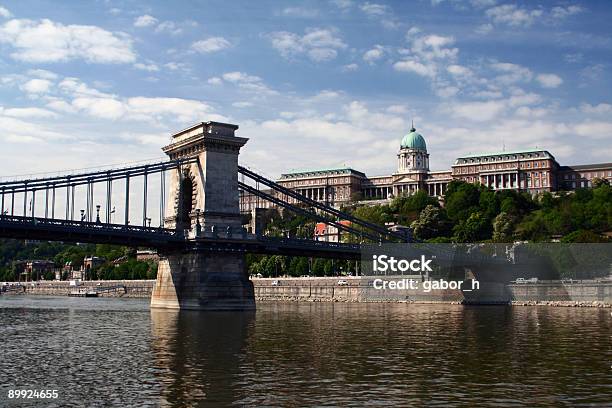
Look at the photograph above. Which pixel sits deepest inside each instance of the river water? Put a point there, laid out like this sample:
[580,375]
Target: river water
[117,352]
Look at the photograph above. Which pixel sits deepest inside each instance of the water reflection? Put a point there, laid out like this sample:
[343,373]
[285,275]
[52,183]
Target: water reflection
[198,354]
[113,352]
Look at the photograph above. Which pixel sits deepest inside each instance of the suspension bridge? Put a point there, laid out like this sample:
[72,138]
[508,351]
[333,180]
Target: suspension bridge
[187,207]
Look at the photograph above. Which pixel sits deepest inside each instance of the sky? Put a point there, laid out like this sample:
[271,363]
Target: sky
[312,84]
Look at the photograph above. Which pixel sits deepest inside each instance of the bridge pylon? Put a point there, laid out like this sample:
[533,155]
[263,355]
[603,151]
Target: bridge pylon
[203,199]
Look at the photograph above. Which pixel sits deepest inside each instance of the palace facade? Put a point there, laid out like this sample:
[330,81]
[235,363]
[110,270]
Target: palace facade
[530,170]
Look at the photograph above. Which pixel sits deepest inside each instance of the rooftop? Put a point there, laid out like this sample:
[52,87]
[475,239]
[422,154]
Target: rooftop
[502,153]
[321,172]
[595,166]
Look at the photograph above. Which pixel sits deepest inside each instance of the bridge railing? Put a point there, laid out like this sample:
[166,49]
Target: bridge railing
[19,197]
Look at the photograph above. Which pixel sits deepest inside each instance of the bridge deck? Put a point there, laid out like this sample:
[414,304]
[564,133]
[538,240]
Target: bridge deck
[45,229]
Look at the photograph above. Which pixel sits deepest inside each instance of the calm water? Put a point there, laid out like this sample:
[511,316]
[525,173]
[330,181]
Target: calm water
[116,352]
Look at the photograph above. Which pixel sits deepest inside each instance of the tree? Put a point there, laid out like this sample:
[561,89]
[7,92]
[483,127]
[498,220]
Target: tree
[583,236]
[598,182]
[475,228]
[503,227]
[462,199]
[432,223]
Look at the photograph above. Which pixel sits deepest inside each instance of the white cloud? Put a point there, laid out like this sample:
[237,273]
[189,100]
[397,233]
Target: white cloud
[169,27]
[511,73]
[446,92]
[244,81]
[594,130]
[74,87]
[300,12]
[79,97]
[513,15]
[559,12]
[242,104]
[483,3]
[549,80]
[5,13]
[145,21]
[211,44]
[151,67]
[374,54]
[484,29]
[17,130]
[526,111]
[573,58]
[434,47]
[105,108]
[374,9]
[478,111]
[398,109]
[237,76]
[343,4]
[174,66]
[319,44]
[47,41]
[153,139]
[322,54]
[28,113]
[37,86]
[521,98]
[415,67]
[602,108]
[592,72]
[458,70]
[42,73]
[215,81]
[350,67]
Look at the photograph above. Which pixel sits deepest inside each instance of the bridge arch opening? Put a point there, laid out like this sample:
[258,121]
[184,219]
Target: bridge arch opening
[185,202]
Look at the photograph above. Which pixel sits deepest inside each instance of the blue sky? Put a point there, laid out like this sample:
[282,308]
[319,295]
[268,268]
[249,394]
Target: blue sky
[311,83]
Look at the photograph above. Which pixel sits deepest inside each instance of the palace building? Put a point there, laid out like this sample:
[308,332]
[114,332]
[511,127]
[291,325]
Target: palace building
[530,170]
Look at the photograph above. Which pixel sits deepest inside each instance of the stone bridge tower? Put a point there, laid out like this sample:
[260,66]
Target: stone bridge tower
[203,201]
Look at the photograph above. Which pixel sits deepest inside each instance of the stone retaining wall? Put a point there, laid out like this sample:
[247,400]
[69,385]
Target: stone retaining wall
[581,293]
[584,293]
[133,288]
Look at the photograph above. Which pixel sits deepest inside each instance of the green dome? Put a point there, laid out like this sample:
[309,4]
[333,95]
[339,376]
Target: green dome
[413,140]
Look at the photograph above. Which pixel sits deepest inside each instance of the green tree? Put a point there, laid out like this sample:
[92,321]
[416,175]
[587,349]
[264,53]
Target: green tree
[432,223]
[475,228]
[503,227]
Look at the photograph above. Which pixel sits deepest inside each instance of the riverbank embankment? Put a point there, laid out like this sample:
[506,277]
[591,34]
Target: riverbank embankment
[358,289]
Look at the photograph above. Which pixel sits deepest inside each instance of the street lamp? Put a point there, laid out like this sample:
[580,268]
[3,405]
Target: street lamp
[98,213]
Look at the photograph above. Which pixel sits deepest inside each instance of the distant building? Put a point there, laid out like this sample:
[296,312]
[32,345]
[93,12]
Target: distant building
[529,170]
[329,233]
[147,255]
[33,269]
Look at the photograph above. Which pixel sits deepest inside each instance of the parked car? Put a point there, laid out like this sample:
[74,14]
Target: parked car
[342,282]
[275,282]
[520,280]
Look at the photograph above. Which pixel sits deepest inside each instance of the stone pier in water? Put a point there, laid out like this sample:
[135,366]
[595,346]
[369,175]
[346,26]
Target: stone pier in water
[203,196]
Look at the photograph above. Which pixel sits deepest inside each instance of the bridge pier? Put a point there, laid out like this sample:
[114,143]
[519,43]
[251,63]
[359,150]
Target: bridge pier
[204,195]
[203,281]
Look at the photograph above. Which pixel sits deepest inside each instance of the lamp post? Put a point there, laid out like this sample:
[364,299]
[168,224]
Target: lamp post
[98,214]
[82,215]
